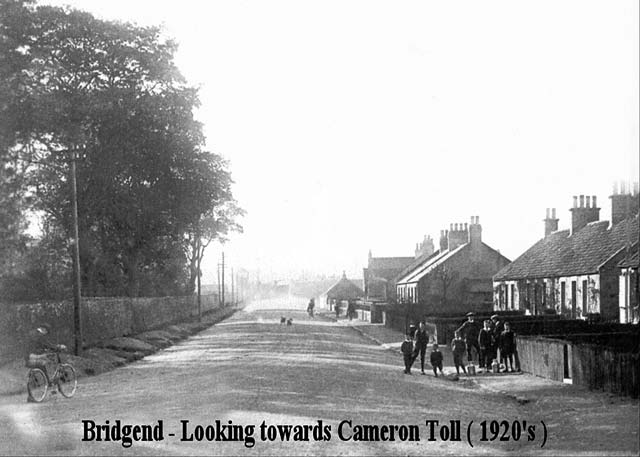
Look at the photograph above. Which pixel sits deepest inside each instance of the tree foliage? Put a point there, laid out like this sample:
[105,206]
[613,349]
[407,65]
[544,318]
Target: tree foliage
[109,94]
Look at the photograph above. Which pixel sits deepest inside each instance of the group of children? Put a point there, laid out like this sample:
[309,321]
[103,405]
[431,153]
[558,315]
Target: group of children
[410,354]
[492,338]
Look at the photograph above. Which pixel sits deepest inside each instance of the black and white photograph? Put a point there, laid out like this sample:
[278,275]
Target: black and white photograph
[305,227]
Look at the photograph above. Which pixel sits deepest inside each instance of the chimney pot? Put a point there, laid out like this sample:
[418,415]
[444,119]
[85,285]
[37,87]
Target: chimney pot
[465,227]
[588,205]
[593,201]
[623,187]
[575,201]
[547,213]
[451,227]
[553,213]
[615,188]
[581,201]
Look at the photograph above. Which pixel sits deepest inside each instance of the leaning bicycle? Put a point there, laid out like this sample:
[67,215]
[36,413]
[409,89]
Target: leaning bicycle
[64,377]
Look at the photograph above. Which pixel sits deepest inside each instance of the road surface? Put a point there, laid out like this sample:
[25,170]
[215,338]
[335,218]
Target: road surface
[251,370]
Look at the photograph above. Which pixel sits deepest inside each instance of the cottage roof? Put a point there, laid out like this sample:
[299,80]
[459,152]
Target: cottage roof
[563,254]
[412,275]
[632,260]
[345,290]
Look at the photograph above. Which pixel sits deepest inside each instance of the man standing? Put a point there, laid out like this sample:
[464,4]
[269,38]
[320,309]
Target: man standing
[470,330]
[421,338]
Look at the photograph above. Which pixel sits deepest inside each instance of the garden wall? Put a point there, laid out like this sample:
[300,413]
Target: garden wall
[102,318]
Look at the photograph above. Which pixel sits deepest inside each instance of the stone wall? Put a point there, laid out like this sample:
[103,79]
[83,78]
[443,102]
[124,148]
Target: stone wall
[102,318]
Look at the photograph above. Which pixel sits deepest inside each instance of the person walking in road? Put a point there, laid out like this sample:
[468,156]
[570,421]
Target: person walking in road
[436,360]
[407,352]
[470,331]
[421,338]
[311,306]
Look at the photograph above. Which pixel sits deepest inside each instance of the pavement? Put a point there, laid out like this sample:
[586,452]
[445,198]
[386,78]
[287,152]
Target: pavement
[520,386]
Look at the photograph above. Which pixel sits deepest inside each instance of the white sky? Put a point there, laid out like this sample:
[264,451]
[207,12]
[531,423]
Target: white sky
[357,125]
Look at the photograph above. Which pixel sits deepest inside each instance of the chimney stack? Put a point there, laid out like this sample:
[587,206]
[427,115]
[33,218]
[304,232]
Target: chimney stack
[581,216]
[475,231]
[458,236]
[625,203]
[444,240]
[550,222]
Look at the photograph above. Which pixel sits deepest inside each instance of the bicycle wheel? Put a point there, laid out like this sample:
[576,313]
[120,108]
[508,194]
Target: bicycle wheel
[67,380]
[37,384]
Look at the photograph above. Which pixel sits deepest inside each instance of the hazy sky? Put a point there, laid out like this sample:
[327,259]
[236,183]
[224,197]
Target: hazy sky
[357,125]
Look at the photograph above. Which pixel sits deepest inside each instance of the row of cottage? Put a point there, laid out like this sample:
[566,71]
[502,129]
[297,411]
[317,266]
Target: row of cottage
[588,270]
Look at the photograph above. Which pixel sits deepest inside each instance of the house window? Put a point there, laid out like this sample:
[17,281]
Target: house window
[585,305]
[563,297]
[512,297]
[544,294]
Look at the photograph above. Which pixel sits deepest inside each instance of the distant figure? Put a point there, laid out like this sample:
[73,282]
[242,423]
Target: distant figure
[458,347]
[311,306]
[507,346]
[283,320]
[337,305]
[436,360]
[351,309]
[421,337]
[407,352]
[290,321]
[470,330]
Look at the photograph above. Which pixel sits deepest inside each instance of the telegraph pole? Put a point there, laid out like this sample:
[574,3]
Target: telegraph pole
[223,279]
[77,293]
[233,290]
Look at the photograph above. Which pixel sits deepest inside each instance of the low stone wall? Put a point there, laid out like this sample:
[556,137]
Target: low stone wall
[102,318]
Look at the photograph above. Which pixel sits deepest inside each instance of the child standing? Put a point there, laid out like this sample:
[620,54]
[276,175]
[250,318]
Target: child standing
[436,360]
[407,352]
[484,341]
[458,347]
[507,346]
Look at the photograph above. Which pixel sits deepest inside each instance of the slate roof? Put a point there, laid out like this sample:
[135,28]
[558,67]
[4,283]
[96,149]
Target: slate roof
[562,254]
[438,258]
[345,290]
[420,260]
[389,263]
[632,260]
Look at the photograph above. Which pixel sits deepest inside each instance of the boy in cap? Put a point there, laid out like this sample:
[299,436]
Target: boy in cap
[458,347]
[470,330]
[436,360]
[407,352]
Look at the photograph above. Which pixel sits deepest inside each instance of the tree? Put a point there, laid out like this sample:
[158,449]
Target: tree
[109,94]
[443,277]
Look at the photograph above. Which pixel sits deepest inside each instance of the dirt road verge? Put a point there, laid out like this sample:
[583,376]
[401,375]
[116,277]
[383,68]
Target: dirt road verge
[115,352]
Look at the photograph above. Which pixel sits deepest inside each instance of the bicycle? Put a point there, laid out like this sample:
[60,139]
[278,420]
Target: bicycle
[64,377]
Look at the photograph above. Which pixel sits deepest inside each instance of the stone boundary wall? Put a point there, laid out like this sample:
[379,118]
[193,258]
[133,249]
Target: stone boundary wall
[102,318]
